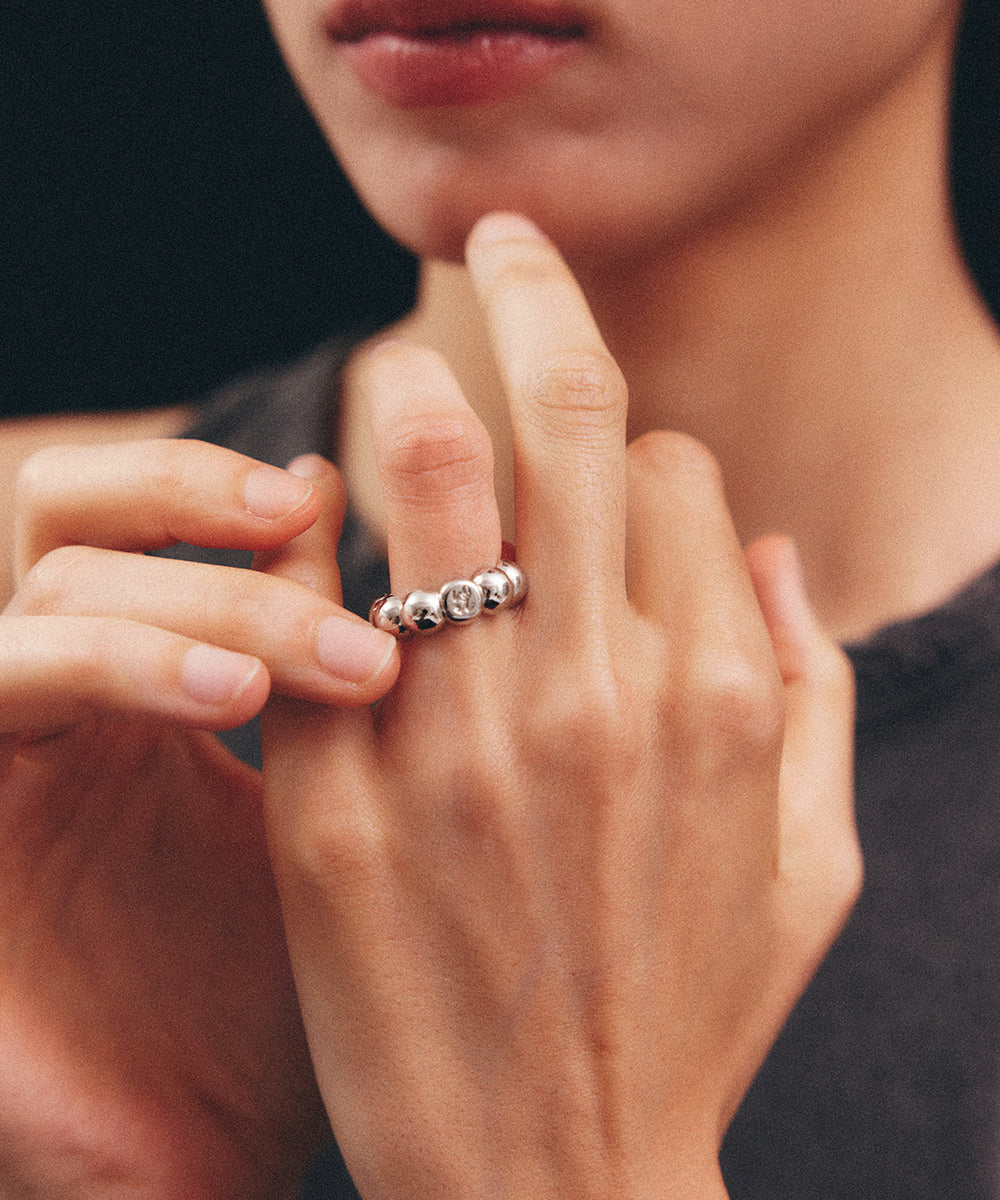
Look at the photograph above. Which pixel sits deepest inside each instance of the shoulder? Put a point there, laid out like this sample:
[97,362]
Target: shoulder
[275,413]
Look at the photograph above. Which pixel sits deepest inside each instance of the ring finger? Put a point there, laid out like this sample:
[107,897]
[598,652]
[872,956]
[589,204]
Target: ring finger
[435,464]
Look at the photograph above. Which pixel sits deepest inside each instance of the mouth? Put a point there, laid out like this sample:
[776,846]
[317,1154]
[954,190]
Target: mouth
[354,20]
[452,52]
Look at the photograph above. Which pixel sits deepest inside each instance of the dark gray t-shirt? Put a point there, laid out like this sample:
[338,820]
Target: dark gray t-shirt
[886,1081]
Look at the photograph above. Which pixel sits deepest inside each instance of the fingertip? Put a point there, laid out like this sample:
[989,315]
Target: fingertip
[312,467]
[804,651]
[309,557]
[378,685]
[503,227]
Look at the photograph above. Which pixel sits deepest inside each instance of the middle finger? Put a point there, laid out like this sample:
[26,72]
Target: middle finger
[313,648]
[568,409]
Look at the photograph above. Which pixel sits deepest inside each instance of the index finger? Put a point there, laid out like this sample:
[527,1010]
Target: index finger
[568,409]
[150,494]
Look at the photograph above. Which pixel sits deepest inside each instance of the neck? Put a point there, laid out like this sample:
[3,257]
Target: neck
[825,341]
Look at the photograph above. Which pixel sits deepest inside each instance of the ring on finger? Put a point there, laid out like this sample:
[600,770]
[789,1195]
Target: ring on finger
[458,601]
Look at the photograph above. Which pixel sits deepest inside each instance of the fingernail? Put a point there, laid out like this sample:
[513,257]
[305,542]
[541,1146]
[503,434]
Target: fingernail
[504,226]
[269,493]
[352,650]
[214,676]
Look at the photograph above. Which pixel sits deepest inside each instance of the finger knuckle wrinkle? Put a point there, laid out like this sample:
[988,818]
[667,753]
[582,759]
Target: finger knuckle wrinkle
[518,273]
[439,456]
[581,385]
[166,471]
[49,583]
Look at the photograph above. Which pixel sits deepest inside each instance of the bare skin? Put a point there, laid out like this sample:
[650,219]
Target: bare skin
[22,436]
[658,789]
[516,977]
[153,1045]
[834,356]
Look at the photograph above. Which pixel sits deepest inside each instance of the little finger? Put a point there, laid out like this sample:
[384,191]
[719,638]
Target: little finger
[820,854]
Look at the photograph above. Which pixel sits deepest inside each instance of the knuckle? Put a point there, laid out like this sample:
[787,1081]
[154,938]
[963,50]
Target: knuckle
[34,474]
[437,456]
[581,385]
[736,703]
[848,877]
[48,586]
[87,669]
[587,719]
[835,675]
[331,855]
[838,882]
[478,803]
[166,471]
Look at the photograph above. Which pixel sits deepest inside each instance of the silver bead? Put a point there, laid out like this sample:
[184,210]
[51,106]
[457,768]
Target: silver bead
[423,612]
[518,579]
[387,613]
[462,599]
[497,588]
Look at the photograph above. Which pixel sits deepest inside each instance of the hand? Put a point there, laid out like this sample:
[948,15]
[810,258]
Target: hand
[152,1042]
[549,903]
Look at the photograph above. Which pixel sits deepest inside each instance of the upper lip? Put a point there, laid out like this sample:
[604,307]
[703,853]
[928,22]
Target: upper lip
[351,20]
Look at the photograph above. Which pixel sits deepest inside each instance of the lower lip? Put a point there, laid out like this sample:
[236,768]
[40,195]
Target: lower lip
[414,71]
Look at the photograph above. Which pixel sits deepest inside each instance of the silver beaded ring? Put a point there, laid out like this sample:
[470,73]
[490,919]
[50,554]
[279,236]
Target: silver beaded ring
[459,601]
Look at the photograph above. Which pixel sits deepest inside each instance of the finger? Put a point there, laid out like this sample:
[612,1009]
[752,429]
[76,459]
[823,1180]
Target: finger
[435,465]
[820,855]
[686,568]
[311,558]
[568,410]
[311,561]
[57,671]
[818,870]
[147,495]
[312,647]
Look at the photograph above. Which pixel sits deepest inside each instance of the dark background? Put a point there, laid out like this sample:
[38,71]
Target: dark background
[169,214]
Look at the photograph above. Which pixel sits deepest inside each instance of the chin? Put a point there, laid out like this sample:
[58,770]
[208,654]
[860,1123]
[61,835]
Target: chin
[600,202]
[430,231]
[434,220]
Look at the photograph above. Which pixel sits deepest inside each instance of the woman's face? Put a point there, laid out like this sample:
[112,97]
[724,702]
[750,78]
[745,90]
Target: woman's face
[613,123]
